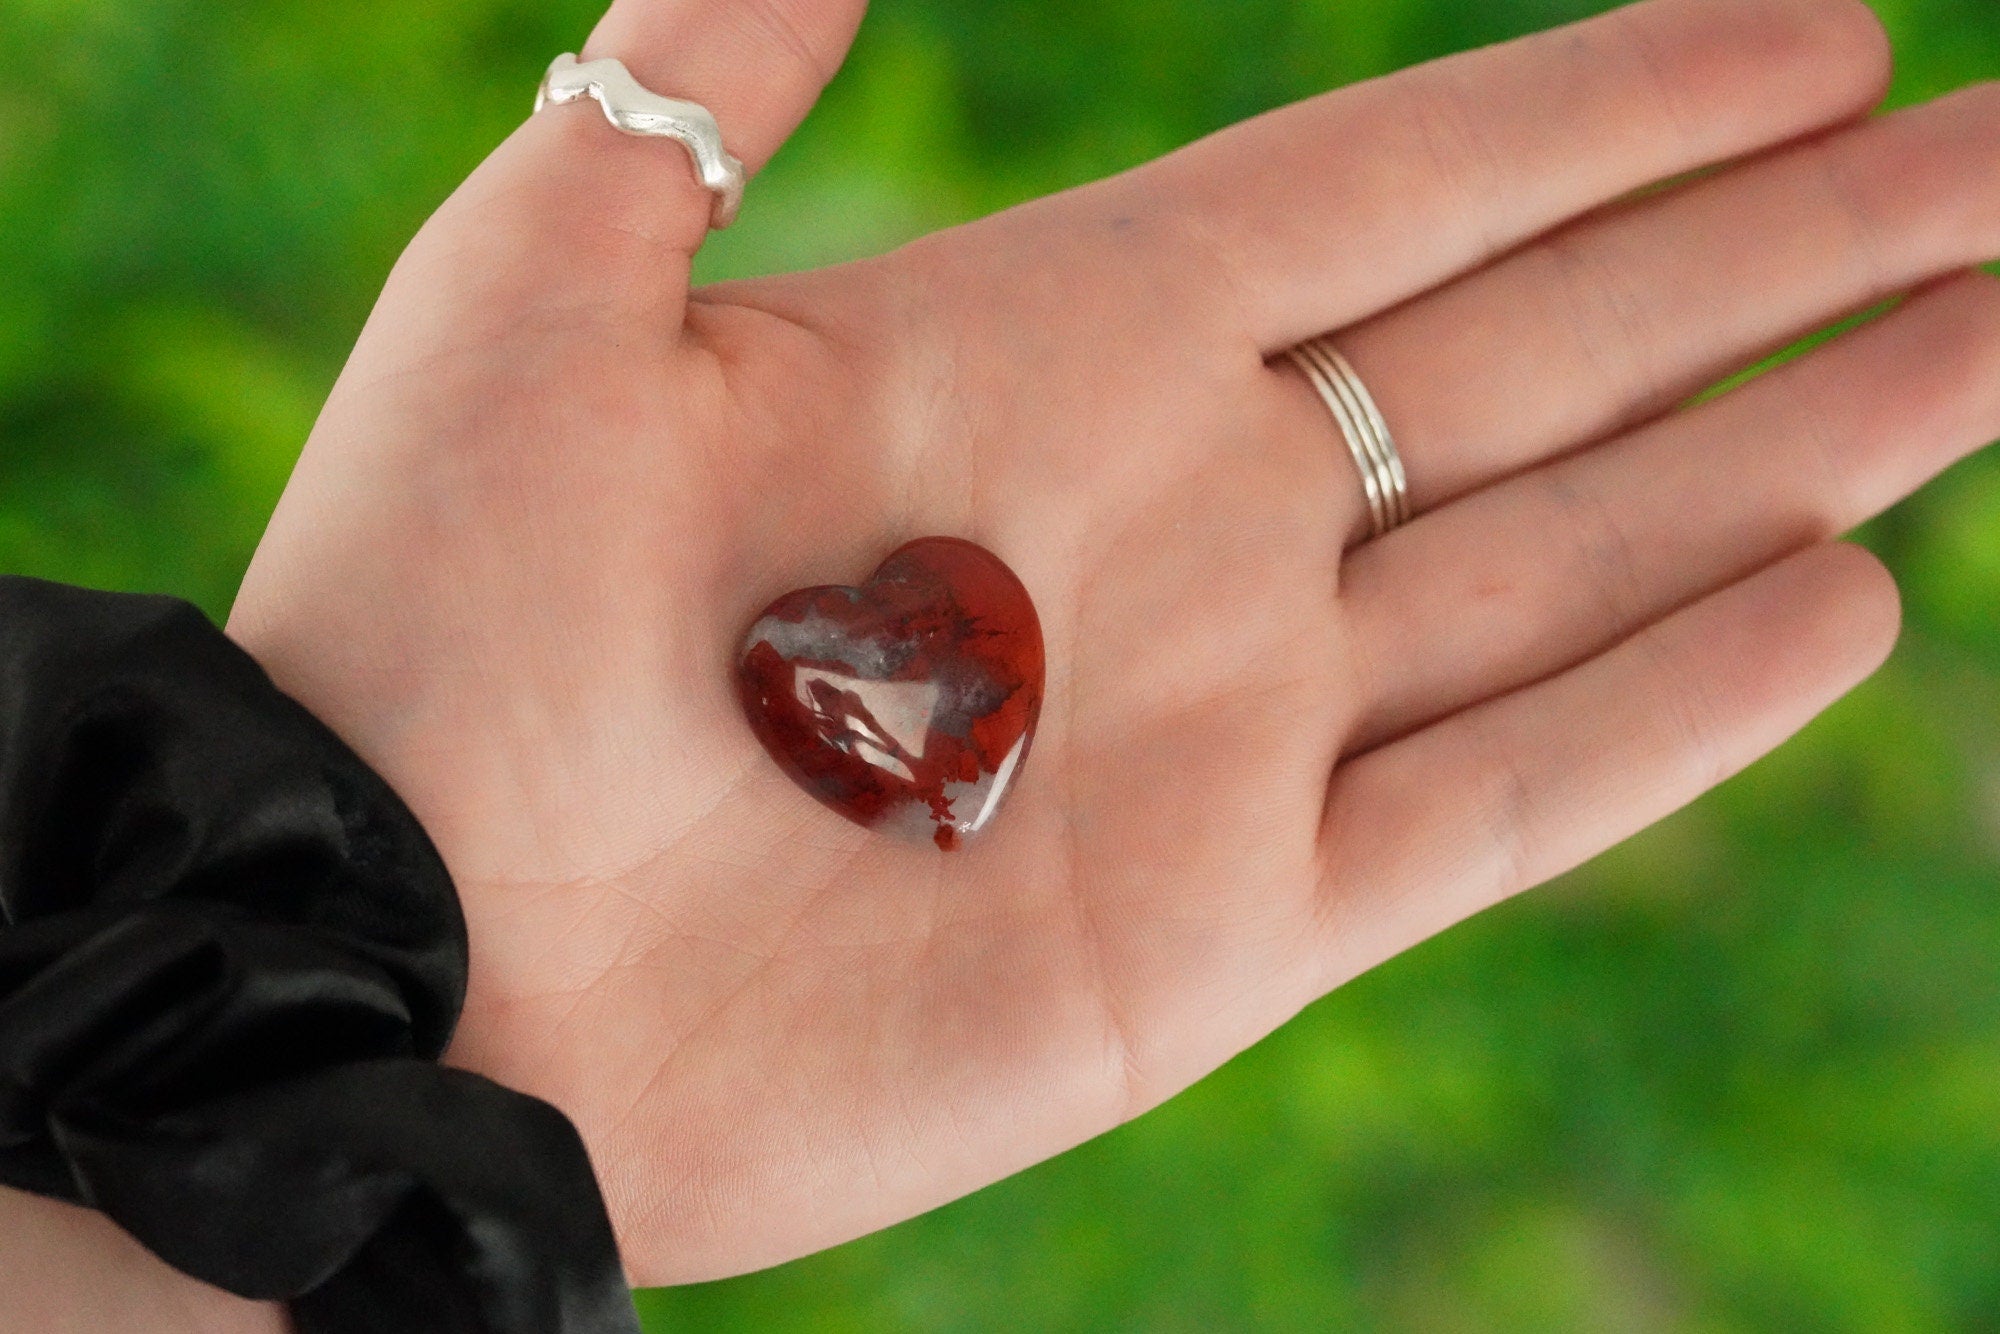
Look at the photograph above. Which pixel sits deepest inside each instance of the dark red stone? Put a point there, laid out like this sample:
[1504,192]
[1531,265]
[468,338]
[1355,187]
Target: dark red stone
[907,704]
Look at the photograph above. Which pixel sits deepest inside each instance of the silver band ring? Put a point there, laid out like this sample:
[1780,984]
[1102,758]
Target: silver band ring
[1383,480]
[631,108]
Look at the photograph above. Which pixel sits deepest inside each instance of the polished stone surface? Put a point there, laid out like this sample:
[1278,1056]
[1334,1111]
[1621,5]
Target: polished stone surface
[907,704]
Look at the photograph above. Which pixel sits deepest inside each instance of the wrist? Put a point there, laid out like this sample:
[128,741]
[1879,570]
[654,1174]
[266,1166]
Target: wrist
[69,1270]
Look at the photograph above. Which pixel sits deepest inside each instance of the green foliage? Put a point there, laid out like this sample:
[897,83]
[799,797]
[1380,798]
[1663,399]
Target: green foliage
[1743,1074]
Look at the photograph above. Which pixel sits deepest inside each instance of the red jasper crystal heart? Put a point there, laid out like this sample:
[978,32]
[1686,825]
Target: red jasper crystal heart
[906,704]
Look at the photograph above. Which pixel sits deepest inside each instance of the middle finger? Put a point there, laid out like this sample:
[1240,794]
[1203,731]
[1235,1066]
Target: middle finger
[1617,318]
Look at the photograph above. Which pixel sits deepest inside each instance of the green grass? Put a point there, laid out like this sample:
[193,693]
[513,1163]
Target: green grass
[1743,1074]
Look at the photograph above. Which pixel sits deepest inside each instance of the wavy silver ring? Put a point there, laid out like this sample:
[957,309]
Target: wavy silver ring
[1361,424]
[631,108]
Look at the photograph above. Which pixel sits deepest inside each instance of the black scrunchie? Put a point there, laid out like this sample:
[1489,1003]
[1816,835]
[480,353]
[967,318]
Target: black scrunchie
[229,957]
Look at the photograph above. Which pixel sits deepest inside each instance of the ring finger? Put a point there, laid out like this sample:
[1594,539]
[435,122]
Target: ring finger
[1614,319]
[1527,578]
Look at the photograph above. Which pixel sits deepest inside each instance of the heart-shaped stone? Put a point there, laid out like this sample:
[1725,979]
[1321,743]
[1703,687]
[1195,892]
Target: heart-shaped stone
[907,704]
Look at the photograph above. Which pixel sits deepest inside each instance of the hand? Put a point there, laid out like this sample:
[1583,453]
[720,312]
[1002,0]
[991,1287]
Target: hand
[553,486]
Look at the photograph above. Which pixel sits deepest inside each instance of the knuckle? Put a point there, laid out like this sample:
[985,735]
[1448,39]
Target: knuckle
[1606,561]
[1455,139]
[1835,501]
[1511,811]
[1689,709]
[1607,319]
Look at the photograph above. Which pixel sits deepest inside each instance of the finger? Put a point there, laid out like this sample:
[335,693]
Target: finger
[759,65]
[1620,317]
[1335,208]
[1498,799]
[1524,579]
[619,215]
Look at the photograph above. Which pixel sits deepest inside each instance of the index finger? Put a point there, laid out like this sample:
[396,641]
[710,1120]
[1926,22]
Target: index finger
[1338,207]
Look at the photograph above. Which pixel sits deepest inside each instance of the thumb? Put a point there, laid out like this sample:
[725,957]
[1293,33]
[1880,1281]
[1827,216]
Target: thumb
[621,216]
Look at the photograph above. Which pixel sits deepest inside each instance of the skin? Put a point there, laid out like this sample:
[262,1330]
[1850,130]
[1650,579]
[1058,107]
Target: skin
[553,485]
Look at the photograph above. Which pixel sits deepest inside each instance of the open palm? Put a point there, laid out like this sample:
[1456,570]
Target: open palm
[553,487]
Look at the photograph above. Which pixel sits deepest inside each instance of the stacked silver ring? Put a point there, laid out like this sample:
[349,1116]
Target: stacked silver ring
[1361,424]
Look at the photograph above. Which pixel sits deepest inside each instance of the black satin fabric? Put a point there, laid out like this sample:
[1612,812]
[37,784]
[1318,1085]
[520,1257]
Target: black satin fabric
[229,957]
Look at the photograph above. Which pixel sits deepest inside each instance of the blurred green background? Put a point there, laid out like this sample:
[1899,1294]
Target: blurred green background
[1743,1074]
